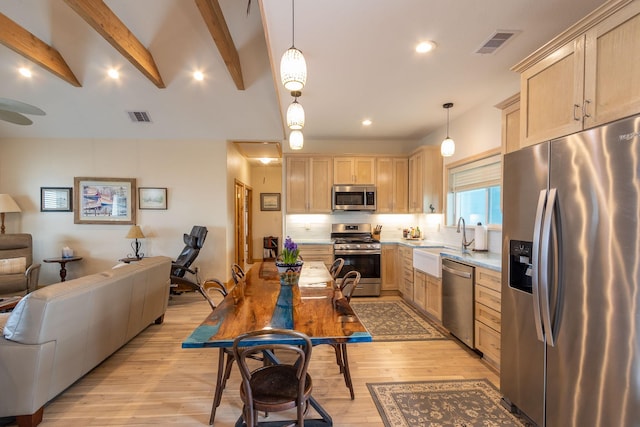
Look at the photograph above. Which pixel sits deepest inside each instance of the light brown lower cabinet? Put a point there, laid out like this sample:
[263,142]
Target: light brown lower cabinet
[388,268]
[427,294]
[487,314]
[322,253]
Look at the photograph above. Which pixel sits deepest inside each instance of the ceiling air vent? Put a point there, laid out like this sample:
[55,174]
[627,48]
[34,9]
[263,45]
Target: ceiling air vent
[139,116]
[496,41]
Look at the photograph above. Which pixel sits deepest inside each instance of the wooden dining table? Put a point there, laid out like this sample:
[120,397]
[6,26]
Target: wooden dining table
[313,307]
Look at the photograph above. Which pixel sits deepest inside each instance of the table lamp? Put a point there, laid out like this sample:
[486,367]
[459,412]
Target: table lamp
[7,204]
[136,233]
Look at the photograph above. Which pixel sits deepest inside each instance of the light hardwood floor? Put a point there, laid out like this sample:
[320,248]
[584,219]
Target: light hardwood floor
[152,380]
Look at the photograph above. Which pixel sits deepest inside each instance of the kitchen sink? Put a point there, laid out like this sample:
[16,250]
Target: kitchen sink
[428,261]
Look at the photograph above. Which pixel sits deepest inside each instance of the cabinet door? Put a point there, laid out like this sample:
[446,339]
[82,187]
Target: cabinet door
[343,170]
[552,94]
[320,184]
[612,67]
[415,182]
[434,297]
[389,275]
[400,193]
[420,289]
[511,128]
[364,170]
[432,180]
[297,177]
[384,185]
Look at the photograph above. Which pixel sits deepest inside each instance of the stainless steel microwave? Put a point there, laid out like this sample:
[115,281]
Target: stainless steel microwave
[353,198]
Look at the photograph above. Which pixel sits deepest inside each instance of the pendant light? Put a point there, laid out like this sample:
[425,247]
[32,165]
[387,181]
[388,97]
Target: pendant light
[295,113]
[293,67]
[448,147]
[296,140]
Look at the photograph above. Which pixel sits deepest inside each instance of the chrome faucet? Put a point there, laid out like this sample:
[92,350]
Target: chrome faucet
[465,244]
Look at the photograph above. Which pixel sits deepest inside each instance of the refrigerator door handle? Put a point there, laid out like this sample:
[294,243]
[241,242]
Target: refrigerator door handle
[544,266]
[535,277]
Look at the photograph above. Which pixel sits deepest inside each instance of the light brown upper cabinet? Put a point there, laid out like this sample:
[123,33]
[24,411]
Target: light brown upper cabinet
[392,184]
[308,181]
[510,123]
[425,180]
[587,76]
[354,170]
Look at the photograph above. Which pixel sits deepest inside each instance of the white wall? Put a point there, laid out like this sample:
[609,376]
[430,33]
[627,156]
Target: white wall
[266,179]
[194,172]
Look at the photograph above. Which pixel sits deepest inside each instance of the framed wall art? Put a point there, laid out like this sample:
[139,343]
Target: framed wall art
[269,201]
[55,199]
[104,200]
[152,198]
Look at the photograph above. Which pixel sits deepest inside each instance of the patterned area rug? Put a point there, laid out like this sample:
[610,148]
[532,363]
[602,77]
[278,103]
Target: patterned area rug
[395,321]
[462,403]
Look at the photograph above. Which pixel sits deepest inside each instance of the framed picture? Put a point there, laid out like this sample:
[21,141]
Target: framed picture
[55,199]
[152,198]
[269,201]
[104,200]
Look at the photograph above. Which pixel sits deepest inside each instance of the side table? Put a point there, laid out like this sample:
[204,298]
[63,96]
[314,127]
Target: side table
[63,262]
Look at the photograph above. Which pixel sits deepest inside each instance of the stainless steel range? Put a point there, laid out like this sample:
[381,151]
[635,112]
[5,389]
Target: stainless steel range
[361,252]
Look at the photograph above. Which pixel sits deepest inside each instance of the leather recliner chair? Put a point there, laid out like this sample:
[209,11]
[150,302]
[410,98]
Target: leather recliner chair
[17,277]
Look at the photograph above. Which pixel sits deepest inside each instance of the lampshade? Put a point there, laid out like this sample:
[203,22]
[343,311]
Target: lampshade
[448,147]
[135,233]
[295,115]
[296,140]
[293,67]
[7,204]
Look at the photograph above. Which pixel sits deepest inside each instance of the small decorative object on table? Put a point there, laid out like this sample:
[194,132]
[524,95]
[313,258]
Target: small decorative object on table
[289,263]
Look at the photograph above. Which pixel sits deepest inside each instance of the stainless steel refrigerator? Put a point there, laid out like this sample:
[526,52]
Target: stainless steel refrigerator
[570,350]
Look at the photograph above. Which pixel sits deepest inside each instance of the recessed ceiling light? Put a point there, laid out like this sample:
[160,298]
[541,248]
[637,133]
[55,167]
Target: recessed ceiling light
[425,47]
[25,71]
[113,73]
[366,122]
[198,75]
[265,160]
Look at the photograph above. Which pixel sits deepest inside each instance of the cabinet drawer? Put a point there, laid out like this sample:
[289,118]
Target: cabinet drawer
[488,316]
[488,297]
[488,278]
[488,342]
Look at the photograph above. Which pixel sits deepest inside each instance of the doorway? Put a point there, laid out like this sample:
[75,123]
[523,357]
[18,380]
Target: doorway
[243,245]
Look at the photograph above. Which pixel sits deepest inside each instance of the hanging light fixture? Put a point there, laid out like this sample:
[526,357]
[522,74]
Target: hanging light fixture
[296,140]
[295,113]
[448,147]
[293,68]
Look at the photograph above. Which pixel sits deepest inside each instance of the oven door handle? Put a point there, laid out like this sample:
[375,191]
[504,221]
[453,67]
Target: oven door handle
[357,252]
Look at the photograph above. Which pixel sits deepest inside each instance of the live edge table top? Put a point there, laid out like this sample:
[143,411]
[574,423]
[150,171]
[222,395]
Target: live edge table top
[310,308]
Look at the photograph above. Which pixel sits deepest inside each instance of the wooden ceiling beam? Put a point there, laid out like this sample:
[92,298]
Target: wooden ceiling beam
[97,14]
[26,44]
[213,17]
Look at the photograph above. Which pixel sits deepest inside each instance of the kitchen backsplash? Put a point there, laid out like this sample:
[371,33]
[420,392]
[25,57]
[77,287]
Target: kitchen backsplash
[317,227]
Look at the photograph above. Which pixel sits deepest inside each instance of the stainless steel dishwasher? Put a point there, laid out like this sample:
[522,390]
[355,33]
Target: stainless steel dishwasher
[457,300]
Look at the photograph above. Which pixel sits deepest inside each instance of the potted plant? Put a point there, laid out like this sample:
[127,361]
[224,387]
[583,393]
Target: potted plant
[289,263]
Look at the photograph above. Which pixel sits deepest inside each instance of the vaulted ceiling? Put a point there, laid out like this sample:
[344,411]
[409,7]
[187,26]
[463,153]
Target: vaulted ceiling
[360,55]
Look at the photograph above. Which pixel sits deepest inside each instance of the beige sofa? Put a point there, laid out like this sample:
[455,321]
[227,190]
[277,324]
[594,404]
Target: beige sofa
[57,334]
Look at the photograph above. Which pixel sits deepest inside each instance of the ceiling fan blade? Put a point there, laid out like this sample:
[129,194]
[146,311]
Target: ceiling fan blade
[17,118]
[20,107]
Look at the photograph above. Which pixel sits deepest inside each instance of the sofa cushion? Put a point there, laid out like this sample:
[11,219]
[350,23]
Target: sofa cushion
[13,265]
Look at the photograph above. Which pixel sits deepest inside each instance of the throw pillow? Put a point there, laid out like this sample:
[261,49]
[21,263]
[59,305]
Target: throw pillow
[13,265]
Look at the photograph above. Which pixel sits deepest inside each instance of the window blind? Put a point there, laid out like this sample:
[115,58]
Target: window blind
[482,173]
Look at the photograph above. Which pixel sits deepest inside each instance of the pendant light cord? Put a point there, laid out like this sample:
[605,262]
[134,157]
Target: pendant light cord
[448,122]
[293,25]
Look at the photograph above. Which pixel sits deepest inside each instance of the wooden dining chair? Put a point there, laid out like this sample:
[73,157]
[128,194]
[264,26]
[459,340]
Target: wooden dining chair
[278,386]
[346,287]
[237,273]
[336,268]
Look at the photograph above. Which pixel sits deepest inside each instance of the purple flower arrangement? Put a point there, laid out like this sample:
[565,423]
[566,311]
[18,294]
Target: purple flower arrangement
[290,251]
